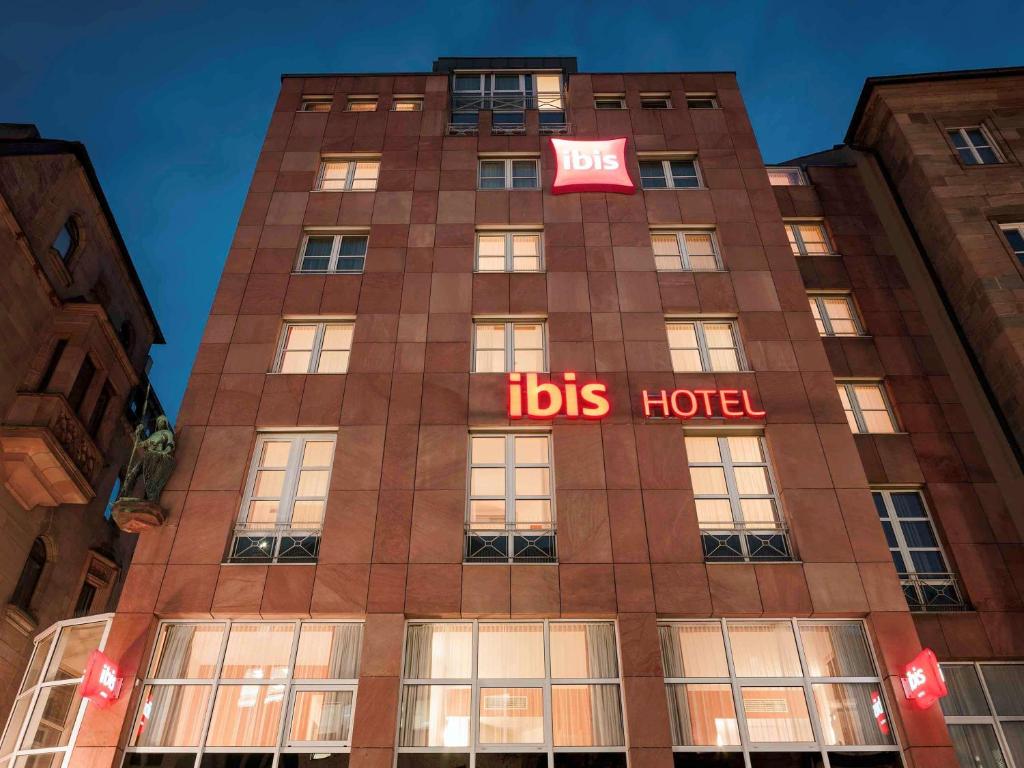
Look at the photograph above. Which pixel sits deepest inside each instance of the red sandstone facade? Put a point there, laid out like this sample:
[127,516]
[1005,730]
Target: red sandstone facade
[394,554]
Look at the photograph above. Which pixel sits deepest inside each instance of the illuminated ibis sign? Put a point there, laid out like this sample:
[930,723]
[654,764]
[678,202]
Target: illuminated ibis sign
[101,683]
[529,397]
[922,679]
[591,166]
[878,710]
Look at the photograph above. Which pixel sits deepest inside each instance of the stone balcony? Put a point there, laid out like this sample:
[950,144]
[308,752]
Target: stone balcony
[46,456]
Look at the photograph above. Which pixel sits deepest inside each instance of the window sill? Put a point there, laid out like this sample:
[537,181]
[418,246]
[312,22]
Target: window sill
[508,189]
[230,564]
[845,336]
[343,190]
[22,621]
[308,373]
[692,271]
[326,272]
[754,562]
[882,434]
[671,189]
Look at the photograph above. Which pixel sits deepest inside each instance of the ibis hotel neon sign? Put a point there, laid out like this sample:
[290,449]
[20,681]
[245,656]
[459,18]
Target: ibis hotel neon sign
[591,166]
[101,681]
[531,398]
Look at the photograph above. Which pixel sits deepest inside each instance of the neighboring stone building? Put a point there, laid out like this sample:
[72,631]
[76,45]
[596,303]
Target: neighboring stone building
[77,330]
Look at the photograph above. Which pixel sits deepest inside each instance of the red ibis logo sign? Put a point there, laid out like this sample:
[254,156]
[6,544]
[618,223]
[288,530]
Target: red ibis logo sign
[101,682]
[591,166]
[922,678]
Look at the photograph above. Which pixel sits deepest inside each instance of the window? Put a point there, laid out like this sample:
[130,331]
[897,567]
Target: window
[686,250]
[704,345]
[772,688]
[285,494]
[974,146]
[669,174]
[67,240]
[985,713]
[99,410]
[269,688]
[702,101]
[508,252]
[733,488]
[48,707]
[834,314]
[361,104]
[609,101]
[535,687]
[509,345]
[315,347]
[786,177]
[51,367]
[655,101]
[808,239]
[867,407]
[83,381]
[924,572]
[333,253]
[348,175]
[1014,234]
[316,104]
[509,173]
[407,104]
[100,575]
[31,572]
[510,516]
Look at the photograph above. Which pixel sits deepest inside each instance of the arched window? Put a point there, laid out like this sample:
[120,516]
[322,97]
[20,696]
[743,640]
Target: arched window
[30,574]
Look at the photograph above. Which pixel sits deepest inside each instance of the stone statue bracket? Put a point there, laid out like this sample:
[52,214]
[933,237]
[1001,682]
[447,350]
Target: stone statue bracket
[152,462]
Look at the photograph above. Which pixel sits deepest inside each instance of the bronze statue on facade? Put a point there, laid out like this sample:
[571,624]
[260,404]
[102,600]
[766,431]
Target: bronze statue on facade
[152,459]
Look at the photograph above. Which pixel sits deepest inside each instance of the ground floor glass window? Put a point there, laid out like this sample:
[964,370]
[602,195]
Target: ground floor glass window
[985,713]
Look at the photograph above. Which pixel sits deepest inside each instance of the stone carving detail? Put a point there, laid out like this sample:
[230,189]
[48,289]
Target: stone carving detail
[71,435]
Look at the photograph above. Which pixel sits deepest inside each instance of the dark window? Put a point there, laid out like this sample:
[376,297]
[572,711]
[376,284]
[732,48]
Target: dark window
[82,382]
[433,760]
[67,240]
[30,574]
[708,760]
[236,760]
[127,336]
[83,606]
[51,367]
[159,760]
[99,410]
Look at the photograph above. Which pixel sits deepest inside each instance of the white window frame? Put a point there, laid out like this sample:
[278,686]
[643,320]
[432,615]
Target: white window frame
[321,325]
[290,684]
[1017,227]
[793,228]
[364,99]
[335,255]
[684,256]
[971,147]
[476,683]
[850,386]
[415,101]
[509,236]
[618,97]
[310,101]
[992,719]
[712,97]
[666,171]
[818,299]
[794,174]
[350,173]
[507,178]
[702,342]
[664,97]
[804,681]
[510,352]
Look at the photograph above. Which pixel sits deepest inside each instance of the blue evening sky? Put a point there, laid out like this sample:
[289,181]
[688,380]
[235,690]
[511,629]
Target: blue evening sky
[172,98]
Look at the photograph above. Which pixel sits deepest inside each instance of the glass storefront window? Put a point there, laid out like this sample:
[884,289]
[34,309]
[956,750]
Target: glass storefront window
[985,713]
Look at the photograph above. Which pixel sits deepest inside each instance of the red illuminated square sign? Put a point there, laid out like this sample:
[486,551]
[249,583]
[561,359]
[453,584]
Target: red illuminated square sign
[922,678]
[101,683]
[591,166]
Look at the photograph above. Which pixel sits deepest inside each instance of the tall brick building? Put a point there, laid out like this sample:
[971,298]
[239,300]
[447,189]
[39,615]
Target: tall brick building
[475,474]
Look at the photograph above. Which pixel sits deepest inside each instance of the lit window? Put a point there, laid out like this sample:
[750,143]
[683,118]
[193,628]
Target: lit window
[927,580]
[283,686]
[703,345]
[348,175]
[609,102]
[509,173]
[686,250]
[67,240]
[508,252]
[316,104]
[1014,234]
[867,407]
[669,174]
[529,687]
[984,713]
[655,101]
[509,345]
[48,708]
[510,516]
[285,495]
[834,314]
[701,101]
[314,348]
[786,177]
[737,508]
[974,146]
[808,239]
[756,693]
[333,253]
[361,104]
[407,104]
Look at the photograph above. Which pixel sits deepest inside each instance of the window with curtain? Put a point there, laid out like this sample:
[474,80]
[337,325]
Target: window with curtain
[333,253]
[316,103]
[704,345]
[678,173]
[509,345]
[785,685]
[542,687]
[265,688]
[808,238]
[985,713]
[834,314]
[509,251]
[867,407]
[314,347]
[688,250]
[340,175]
[509,173]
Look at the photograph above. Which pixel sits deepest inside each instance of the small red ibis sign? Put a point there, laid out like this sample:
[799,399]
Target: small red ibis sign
[101,683]
[922,679]
[878,709]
